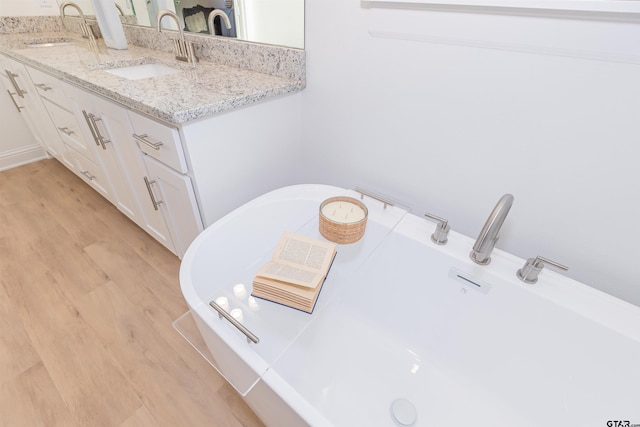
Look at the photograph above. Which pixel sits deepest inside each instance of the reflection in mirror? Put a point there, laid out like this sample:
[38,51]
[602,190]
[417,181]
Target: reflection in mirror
[277,22]
[84,5]
[125,7]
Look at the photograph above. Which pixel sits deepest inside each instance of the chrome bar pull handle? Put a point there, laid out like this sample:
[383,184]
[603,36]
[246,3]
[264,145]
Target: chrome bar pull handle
[43,86]
[66,131]
[15,84]
[90,124]
[19,108]
[529,272]
[440,236]
[251,337]
[156,203]
[88,175]
[373,196]
[95,119]
[143,138]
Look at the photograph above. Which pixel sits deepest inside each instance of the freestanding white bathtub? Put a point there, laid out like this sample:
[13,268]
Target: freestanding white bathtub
[406,332]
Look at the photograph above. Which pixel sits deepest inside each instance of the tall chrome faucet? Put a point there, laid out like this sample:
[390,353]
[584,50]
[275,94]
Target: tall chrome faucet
[222,15]
[85,28]
[486,241]
[184,50]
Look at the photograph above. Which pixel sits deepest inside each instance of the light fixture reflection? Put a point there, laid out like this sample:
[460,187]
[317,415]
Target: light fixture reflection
[253,304]
[223,302]
[237,314]
[240,291]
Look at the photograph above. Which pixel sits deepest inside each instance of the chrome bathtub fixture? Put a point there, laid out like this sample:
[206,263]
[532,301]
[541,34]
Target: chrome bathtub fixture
[529,272]
[184,50]
[486,241]
[222,313]
[379,198]
[439,237]
[222,16]
[85,28]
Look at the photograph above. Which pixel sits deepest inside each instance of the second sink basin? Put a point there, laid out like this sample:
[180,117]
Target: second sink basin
[144,71]
[49,42]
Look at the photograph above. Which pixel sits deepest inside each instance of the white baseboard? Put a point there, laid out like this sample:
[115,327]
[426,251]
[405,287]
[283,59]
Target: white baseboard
[21,156]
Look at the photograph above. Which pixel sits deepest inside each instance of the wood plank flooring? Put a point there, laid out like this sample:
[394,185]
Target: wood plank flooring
[87,301]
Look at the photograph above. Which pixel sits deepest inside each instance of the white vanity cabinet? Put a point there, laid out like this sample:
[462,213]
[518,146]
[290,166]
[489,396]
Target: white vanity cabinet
[22,97]
[170,192]
[170,179]
[107,131]
[80,153]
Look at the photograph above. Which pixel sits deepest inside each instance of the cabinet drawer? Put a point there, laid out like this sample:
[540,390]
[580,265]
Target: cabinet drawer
[69,129]
[91,173]
[48,87]
[159,141]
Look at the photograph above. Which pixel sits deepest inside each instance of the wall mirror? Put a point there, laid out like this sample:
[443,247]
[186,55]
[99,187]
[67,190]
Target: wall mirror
[277,22]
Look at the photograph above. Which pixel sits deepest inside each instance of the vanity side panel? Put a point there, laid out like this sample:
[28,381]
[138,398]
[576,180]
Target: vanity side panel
[236,156]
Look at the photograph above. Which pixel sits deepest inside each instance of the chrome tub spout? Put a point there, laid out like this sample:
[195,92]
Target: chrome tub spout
[486,241]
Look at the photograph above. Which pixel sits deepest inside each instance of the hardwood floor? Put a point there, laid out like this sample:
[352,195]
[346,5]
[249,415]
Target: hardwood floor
[87,301]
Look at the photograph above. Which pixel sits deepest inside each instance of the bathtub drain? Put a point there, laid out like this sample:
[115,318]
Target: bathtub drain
[403,412]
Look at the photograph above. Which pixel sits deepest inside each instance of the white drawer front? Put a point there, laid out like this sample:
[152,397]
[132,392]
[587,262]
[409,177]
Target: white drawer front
[69,129]
[91,173]
[48,87]
[159,141]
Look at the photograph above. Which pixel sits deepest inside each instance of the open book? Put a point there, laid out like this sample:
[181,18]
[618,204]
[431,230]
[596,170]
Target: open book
[296,272]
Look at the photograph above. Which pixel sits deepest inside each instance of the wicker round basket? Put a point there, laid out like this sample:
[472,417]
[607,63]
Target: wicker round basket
[343,219]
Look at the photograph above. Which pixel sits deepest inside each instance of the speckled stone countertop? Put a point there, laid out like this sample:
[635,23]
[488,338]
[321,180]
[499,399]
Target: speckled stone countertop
[193,93]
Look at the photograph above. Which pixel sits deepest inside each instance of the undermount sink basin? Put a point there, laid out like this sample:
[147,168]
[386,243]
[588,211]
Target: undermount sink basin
[50,44]
[144,71]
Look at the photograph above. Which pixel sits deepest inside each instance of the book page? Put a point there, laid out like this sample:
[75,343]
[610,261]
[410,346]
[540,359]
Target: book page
[300,260]
[288,273]
[304,252]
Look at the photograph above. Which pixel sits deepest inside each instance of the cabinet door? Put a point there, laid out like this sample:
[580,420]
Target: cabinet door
[18,91]
[173,195]
[33,110]
[113,130]
[17,139]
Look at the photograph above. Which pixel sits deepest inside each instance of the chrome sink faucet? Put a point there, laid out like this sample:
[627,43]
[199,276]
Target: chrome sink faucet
[85,28]
[184,50]
[486,241]
[222,15]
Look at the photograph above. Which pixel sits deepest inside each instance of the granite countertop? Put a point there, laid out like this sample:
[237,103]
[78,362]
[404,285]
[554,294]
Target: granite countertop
[195,92]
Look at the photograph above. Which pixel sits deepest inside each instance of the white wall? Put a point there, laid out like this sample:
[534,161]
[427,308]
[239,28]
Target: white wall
[474,106]
[40,7]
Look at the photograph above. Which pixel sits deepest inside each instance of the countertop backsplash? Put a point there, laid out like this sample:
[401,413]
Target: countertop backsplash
[29,24]
[263,58]
[278,61]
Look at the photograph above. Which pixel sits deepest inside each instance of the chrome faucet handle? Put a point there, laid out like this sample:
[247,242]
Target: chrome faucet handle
[529,272]
[439,237]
